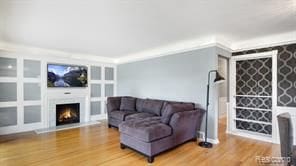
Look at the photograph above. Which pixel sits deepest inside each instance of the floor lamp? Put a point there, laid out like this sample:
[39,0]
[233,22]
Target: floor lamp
[218,79]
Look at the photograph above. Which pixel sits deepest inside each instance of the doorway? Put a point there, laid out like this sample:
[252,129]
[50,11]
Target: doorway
[223,93]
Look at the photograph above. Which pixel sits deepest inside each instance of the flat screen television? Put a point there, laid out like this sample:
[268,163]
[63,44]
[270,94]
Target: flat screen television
[62,75]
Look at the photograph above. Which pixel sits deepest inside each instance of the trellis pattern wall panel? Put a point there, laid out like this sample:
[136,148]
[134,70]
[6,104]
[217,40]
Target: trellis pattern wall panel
[253,95]
[257,115]
[254,77]
[255,127]
[254,102]
[286,85]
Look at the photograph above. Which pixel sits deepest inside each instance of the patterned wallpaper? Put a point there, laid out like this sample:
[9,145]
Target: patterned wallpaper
[255,127]
[286,72]
[254,77]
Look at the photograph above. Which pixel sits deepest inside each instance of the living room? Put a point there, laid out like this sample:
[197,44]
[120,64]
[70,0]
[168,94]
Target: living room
[147,82]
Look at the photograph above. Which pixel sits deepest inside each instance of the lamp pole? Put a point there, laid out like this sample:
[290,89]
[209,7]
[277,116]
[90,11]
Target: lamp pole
[206,144]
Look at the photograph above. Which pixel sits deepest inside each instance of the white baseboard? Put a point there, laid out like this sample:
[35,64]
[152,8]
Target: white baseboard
[19,129]
[201,135]
[254,136]
[39,127]
[213,141]
[98,117]
[65,127]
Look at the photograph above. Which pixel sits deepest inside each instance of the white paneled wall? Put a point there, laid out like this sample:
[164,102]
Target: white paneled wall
[24,92]
[21,89]
[102,85]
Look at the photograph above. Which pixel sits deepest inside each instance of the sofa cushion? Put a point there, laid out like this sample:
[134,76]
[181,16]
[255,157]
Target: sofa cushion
[128,104]
[146,130]
[152,106]
[139,104]
[113,103]
[175,102]
[120,115]
[139,115]
[170,109]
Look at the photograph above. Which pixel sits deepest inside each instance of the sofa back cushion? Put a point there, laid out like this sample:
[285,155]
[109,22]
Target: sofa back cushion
[113,103]
[176,102]
[139,104]
[170,109]
[128,104]
[152,106]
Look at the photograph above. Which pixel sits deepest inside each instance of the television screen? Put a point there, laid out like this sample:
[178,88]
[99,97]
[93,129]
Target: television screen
[66,75]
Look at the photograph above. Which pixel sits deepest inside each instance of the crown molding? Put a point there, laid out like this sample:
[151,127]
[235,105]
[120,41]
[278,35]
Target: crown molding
[266,41]
[179,47]
[151,54]
[156,53]
[218,41]
[16,48]
[172,49]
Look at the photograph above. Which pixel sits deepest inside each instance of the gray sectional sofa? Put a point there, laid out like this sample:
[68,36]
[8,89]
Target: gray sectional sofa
[151,126]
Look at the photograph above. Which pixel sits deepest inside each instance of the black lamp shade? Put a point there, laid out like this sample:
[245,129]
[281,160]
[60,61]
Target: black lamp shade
[218,78]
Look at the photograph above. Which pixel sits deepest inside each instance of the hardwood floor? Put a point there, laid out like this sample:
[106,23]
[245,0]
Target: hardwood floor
[99,145]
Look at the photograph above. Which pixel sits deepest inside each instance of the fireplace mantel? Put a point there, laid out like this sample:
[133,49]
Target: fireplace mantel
[66,96]
[54,93]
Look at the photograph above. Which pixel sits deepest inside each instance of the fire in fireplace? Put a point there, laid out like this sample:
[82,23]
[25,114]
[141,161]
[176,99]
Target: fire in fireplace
[67,114]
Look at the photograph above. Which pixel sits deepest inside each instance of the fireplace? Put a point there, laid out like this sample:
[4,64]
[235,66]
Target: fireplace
[67,114]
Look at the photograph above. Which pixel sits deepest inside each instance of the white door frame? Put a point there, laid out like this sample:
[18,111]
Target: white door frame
[232,92]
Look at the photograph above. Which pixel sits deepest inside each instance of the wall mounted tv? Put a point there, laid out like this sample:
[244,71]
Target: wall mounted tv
[62,75]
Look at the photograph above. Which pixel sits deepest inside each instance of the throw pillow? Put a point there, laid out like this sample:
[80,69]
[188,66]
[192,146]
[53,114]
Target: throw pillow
[152,106]
[128,104]
[139,104]
[170,109]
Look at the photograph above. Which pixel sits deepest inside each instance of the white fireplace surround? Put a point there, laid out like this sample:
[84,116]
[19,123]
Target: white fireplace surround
[67,98]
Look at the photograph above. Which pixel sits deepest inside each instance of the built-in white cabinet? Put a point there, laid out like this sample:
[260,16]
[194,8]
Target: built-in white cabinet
[109,90]
[8,67]
[24,95]
[32,114]
[96,90]
[95,108]
[32,91]
[95,72]
[20,93]
[8,92]
[32,69]
[8,116]
[102,85]
[109,73]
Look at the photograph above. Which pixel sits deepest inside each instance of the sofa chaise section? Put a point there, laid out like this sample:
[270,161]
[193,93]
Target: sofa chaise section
[151,136]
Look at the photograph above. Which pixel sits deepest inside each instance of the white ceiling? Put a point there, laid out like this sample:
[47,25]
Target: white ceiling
[118,28]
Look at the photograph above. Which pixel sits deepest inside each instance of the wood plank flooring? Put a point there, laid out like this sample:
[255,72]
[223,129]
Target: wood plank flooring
[99,145]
